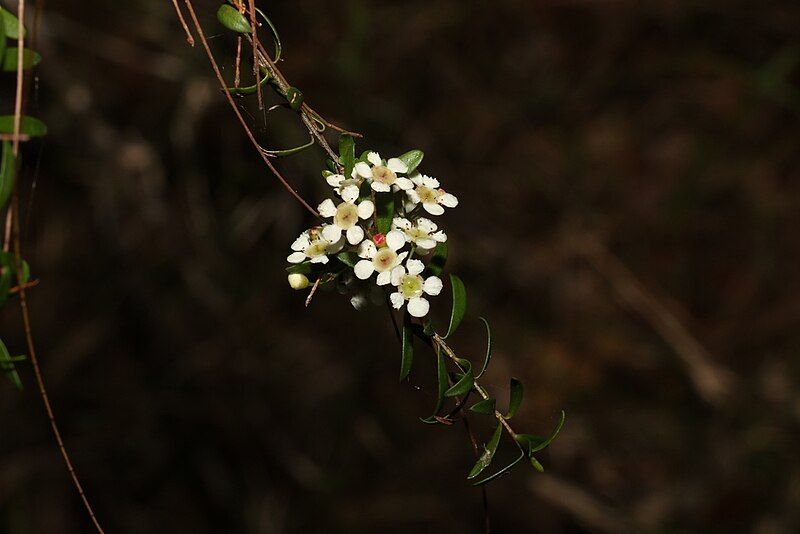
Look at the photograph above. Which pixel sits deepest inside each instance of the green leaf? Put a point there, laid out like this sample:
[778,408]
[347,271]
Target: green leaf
[412,159]
[438,260]
[485,407]
[465,383]
[29,59]
[295,98]
[11,25]
[7,366]
[2,33]
[363,157]
[230,17]
[500,473]
[290,151]
[488,454]
[348,258]
[250,89]
[7,172]
[488,348]
[347,153]
[536,465]
[459,304]
[408,350]
[384,204]
[515,398]
[538,443]
[275,37]
[30,126]
[300,268]
[442,378]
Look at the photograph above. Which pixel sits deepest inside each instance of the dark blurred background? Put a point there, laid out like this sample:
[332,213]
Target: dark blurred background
[628,177]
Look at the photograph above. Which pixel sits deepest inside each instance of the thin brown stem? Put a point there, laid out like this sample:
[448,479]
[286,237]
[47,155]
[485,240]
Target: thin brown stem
[189,36]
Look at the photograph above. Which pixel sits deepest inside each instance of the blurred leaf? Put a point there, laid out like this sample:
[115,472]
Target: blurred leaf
[29,59]
[275,37]
[515,398]
[300,268]
[442,378]
[412,159]
[487,455]
[459,304]
[538,443]
[500,473]
[384,204]
[7,366]
[7,172]
[11,24]
[408,350]
[28,126]
[347,153]
[438,260]
[230,17]
[465,383]
[536,465]
[2,33]
[488,348]
[485,407]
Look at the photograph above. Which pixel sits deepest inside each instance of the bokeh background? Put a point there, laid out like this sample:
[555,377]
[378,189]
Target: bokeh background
[628,177]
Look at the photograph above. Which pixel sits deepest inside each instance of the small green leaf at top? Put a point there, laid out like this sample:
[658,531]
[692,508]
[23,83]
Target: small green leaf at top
[29,59]
[488,454]
[438,260]
[515,398]
[230,17]
[459,304]
[412,159]
[29,126]
[484,407]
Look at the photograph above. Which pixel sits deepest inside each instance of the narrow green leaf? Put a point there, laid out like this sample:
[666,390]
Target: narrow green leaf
[28,125]
[515,398]
[7,172]
[250,89]
[412,159]
[488,348]
[485,407]
[290,151]
[11,24]
[459,304]
[29,59]
[7,366]
[539,443]
[408,351]
[230,17]
[275,37]
[500,473]
[442,378]
[465,383]
[348,258]
[488,454]
[347,153]
[384,204]
[438,260]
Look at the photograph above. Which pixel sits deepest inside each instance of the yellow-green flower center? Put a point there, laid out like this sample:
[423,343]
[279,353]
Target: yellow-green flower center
[346,215]
[384,259]
[383,175]
[317,248]
[411,286]
[416,233]
[426,194]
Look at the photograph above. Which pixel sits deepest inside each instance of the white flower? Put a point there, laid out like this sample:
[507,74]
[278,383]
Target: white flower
[383,177]
[432,197]
[312,245]
[411,287]
[345,219]
[422,232]
[347,188]
[381,260]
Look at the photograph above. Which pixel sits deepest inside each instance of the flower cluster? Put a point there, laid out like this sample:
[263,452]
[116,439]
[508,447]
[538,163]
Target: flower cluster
[377,230]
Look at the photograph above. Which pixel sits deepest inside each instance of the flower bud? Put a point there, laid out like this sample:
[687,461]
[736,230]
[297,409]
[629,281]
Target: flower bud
[379,239]
[298,281]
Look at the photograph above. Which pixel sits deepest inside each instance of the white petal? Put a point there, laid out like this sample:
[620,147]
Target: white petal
[366,209]
[397,274]
[296,257]
[374,158]
[416,178]
[427,181]
[433,209]
[302,242]
[413,196]
[364,269]
[336,246]
[363,170]
[404,183]
[432,285]
[397,300]
[355,235]
[350,193]
[327,208]
[384,278]
[335,180]
[425,244]
[381,187]
[331,233]
[395,239]
[401,222]
[415,266]
[320,259]
[426,225]
[397,165]
[418,307]
[367,249]
[448,200]
[400,258]
[439,236]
